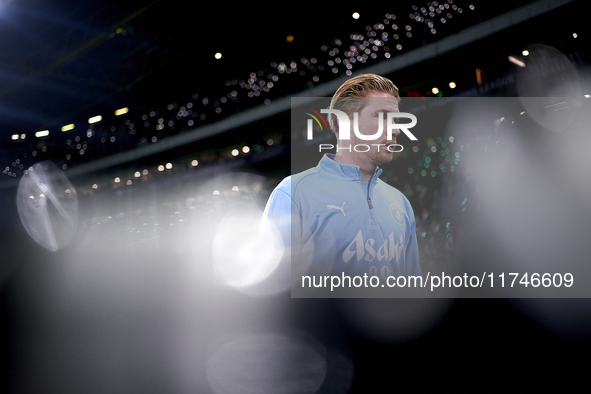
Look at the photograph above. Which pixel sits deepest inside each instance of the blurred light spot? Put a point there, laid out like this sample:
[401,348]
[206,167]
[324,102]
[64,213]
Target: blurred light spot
[68,127]
[267,362]
[452,85]
[95,119]
[137,174]
[396,320]
[548,62]
[117,180]
[563,317]
[129,182]
[575,35]
[525,52]
[52,219]
[356,15]
[14,137]
[160,168]
[435,90]
[194,163]
[218,55]
[95,186]
[216,193]
[121,111]
[168,166]
[250,259]
[235,152]
[245,149]
[514,60]
[479,76]
[42,133]
[289,38]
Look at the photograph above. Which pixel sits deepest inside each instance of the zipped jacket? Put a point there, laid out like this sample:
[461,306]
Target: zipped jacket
[332,222]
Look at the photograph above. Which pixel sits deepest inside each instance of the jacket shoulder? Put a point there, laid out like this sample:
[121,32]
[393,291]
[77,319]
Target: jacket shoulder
[301,178]
[393,192]
[291,182]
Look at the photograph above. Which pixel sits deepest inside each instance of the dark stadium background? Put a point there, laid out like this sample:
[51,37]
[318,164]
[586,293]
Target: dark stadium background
[115,311]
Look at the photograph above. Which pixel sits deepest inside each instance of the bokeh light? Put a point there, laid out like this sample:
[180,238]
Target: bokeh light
[396,320]
[240,257]
[47,205]
[281,362]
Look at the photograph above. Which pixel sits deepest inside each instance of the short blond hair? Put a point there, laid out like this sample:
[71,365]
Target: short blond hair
[359,86]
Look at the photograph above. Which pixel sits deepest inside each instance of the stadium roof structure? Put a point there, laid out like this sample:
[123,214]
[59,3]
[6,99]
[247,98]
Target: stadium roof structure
[65,62]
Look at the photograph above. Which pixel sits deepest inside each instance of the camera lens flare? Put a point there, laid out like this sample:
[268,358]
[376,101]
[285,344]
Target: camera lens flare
[241,258]
[267,363]
[48,206]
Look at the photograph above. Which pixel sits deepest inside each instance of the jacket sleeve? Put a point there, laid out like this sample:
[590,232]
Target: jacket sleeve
[412,252]
[411,258]
[277,214]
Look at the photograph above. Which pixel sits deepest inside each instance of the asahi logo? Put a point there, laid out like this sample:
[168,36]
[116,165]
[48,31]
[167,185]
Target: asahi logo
[369,250]
[344,132]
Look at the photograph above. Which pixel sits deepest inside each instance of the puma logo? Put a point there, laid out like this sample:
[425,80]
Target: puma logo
[342,209]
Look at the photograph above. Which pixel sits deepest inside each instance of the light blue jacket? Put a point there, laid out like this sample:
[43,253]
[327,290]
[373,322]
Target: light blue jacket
[333,222]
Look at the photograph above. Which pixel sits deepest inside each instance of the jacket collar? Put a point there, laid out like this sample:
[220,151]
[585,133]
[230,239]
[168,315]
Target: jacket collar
[344,171]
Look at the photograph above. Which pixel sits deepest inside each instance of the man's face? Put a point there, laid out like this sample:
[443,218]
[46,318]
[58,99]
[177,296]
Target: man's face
[369,123]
